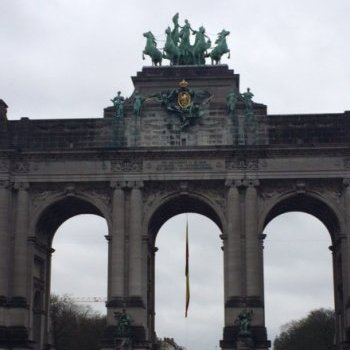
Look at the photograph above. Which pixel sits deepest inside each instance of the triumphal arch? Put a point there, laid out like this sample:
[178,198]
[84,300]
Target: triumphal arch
[188,139]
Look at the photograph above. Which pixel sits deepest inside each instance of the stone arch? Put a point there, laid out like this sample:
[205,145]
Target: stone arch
[47,218]
[310,203]
[164,209]
[57,209]
[179,203]
[327,213]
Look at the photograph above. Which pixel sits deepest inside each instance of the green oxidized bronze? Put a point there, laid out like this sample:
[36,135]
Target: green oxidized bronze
[231,101]
[244,320]
[179,50]
[138,101]
[247,98]
[185,103]
[123,324]
[221,47]
[151,49]
[118,103]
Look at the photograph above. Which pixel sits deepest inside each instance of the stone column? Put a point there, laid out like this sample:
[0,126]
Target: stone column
[136,302]
[135,246]
[4,249]
[47,325]
[232,262]
[345,256]
[233,252]
[117,246]
[4,238]
[253,244]
[19,292]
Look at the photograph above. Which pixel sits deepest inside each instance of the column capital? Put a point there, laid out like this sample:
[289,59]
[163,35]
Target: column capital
[251,183]
[5,184]
[108,238]
[118,184]
[23,186]
[135,184]
[234,183]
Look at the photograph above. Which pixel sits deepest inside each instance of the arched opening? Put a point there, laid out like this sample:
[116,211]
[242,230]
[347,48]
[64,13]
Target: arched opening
[71,252]
[206,308]
[79,263]
[298,264]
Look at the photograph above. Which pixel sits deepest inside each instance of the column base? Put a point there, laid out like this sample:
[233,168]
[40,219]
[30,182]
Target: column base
[15,337]
[233,341]
[137,339]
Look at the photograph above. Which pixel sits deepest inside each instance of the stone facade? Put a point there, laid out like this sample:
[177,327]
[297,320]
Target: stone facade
[139,171]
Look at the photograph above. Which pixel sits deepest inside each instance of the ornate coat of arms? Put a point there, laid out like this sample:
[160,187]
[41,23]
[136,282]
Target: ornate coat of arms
[187,104]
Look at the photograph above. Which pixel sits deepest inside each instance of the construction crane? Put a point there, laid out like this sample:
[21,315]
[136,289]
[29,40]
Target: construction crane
[89,299]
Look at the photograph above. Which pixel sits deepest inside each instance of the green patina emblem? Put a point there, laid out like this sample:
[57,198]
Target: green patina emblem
[185,103]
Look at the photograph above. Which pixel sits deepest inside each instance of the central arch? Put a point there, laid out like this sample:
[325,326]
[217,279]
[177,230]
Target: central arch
[165,209]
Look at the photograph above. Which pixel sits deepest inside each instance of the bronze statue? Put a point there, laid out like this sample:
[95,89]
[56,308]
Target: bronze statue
[151,49]
[231,100]
[178,49]
[243,320]
[138,103]
[248,101]
[123,325]
[221,47]
[118,103]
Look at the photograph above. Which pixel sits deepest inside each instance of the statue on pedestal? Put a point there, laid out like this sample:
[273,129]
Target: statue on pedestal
[118,103]
[123,324]
[243,320]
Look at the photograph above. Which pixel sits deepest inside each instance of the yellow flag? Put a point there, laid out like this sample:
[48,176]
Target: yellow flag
[187,274]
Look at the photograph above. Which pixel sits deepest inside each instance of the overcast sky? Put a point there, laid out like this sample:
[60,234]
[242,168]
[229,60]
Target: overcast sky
[66,59]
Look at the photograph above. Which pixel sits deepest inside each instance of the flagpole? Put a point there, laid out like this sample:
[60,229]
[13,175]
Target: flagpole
[187,273]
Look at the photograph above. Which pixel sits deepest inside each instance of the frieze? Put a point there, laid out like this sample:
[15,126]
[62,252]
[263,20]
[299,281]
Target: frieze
[327,188]
[155,191]
[4,165]
[5,184]
[214,192]
[42,192]
[217,196]
[269,190]
[184,165]
[21,166]
[126,165]
[318,162]
[242,164]
[347,163]
[39,197]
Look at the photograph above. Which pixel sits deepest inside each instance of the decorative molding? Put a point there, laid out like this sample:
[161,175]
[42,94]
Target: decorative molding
[242,164]
[21,166]
[21,186]
[126,165]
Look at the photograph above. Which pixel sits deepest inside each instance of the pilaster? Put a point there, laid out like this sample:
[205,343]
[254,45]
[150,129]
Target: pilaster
[253,244]
[135,250]
[18,326]
[19,292]
[233,254]
[4,238]
[116,286]
[343,282]
[4,250]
